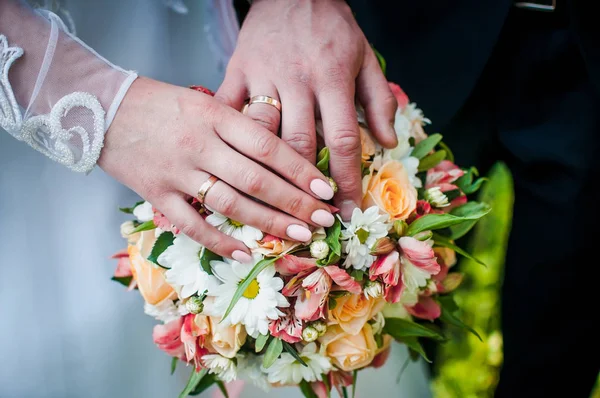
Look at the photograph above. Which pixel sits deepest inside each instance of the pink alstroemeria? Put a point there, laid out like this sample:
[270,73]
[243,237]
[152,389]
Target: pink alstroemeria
[425,308]
[287,327]
[443,176]
[161,221]
[168,338]
[387,269]
[381,358]
[337,380]
[400,95]
[192,337]
[311,285]
[419,254]
[124,267]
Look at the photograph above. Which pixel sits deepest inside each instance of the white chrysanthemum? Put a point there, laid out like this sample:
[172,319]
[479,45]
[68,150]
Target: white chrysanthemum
[249,369]
[287,370]
[415,115]
[143,212]
[165,311]
[224,368]
[247,234]
[186,274]
[361,234]
[403,150]
[258,305]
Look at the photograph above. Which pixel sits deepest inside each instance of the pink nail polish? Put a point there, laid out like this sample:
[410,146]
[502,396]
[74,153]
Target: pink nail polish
[322,189]
[241,257]
[322,218]
[298,233]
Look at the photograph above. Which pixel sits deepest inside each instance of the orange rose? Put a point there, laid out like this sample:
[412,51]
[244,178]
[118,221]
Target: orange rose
[367,144]
[149,278]
[352,311]
[390,190]
[225,340]
[349,352]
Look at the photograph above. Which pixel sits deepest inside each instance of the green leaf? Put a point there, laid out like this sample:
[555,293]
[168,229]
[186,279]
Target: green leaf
[344,392]
[274,349]
[206,382]
[380,59]
[123,280]
[261,265]
[261,340]
[400,328]
[449,154]
[174,364]
[413,344]
[206,257]
[129,210]
[332,303]
[357,275]
[445,242]
[448,307]
[468,184]
[147,226]
[323,161]
[161,244]
[432,160]
[307,390]
[223,389]
[333,241]
[469,208]
[423,148]
[293,352]
[193,382]
[354,377]
[432,222]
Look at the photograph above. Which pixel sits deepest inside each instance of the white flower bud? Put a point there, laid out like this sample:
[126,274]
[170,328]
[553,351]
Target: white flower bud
[194,305]
[436,197]
[320,326]
[373,289]
[310,334]
[377,323]
[144,212]
[127,228]
[319,249]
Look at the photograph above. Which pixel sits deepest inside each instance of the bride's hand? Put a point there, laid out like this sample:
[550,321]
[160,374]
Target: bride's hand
[312,55]
[166,141]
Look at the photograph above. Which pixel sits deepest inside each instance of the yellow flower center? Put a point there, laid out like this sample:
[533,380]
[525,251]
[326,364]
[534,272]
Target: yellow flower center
[252,290]
[236,224]
[362,235]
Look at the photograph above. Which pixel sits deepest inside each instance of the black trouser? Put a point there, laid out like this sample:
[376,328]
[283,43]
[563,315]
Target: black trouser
[535,108]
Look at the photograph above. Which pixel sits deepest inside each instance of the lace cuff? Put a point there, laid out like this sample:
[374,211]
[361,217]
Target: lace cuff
[63,95]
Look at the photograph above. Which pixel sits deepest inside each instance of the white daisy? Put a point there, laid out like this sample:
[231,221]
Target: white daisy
[247,234]
[249,369]
[185,273]
[165,311]
[224,368]
[287,370]
[258,305]
[143,212]
[361,234]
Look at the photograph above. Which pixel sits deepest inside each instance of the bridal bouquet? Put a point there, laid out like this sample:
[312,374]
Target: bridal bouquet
[312,315]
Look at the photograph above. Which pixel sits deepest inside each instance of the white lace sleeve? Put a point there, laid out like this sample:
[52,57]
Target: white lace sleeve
[56,94]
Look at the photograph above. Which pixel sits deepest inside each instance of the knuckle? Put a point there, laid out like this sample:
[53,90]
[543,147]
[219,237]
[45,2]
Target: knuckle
[226,203]
[268,224]
[296,170]
[254,183]
[269,120]
[295,205]
[189,229]
[389,102]
[266,145]
[298,72]
[302,140]
[346,142]
[214,244]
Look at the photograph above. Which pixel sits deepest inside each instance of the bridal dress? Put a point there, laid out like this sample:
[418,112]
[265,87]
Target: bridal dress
[67,330]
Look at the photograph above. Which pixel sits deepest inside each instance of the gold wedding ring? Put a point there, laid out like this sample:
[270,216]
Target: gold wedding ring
[262,99]
[205,187]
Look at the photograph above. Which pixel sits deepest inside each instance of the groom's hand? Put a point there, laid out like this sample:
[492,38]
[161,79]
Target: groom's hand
[313,58]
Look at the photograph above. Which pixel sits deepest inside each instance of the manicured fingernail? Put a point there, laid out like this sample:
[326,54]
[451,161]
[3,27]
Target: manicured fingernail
[298,233]
[323,218]
[346,209]
[322,189]
[241,257]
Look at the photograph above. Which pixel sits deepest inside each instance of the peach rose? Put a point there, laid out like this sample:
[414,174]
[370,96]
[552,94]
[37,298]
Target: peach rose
[225,340]
[390,190]
[352,311]
[271,245]
[349,352]
[367,144]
